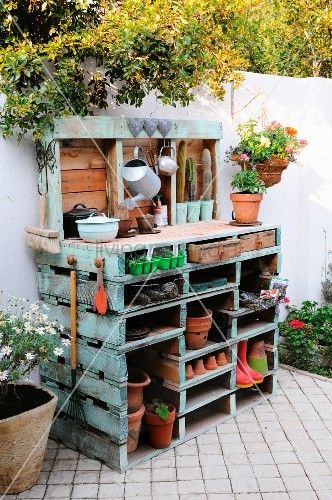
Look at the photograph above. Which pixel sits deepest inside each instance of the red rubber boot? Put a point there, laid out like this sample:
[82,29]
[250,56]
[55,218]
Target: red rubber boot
[255,377]
[242,380]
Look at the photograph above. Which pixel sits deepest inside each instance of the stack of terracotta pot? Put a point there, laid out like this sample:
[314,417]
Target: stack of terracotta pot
[201,365]
[199,321]
[137,380]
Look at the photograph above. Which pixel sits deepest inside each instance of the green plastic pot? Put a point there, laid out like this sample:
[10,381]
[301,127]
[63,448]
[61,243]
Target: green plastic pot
[173,263]
[164,263]
[206,209]
[154,264]
[181,213]
[194,208]
[181,260]
[146,267]
[136,268]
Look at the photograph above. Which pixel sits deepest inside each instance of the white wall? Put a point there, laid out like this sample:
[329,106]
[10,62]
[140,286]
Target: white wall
[301,203]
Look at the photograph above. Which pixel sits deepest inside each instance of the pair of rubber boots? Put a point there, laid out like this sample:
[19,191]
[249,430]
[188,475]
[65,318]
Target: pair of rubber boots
[245,376]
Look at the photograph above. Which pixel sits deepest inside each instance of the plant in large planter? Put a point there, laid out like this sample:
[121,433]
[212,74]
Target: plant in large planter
[191,181]
[267,150]
[246,201]
[27,337]
[159,418]
[207,201]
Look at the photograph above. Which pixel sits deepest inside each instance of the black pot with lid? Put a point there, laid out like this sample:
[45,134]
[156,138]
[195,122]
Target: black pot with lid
[78,212]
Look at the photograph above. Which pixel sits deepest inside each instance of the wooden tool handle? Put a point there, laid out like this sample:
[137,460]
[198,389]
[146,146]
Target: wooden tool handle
[73,320]
[42,210]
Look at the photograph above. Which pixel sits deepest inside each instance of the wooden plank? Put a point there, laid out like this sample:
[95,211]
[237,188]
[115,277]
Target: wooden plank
[80,158]
[95,199]
[77,181]
[102,127]
[91,443]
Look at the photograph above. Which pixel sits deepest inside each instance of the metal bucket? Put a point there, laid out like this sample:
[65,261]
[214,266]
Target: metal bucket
[140,178]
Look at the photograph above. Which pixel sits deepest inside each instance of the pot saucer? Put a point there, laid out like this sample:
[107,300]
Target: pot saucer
[234,223]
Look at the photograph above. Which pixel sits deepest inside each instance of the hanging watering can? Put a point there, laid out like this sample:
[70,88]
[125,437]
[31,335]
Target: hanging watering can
[167,164]
[140,178]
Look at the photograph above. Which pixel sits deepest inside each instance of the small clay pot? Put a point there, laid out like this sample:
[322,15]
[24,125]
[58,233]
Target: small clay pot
[221,358]
[160,431]
[134,428]
[189,371]
[145,224]
[198,367]
[137,380]
[210,363]
[124,226]
[199,321]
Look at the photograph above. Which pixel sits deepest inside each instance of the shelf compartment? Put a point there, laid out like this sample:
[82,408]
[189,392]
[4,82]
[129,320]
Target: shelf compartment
[198,379]
[247,398]
[209,391]
[211,279]
[249,330]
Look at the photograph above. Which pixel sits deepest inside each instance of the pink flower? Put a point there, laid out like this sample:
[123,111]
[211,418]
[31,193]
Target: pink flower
[289,150]
[286,300]
[303,143]
[244,157]
[273,125]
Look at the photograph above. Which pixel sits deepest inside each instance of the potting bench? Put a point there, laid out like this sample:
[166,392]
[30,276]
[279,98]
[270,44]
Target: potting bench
[104,346]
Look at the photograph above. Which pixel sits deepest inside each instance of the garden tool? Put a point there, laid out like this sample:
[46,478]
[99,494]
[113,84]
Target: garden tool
[257,359]
[100,301]
[244,368]
[75,408]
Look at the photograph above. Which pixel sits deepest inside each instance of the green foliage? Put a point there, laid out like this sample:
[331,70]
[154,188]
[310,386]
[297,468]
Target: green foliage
[27,337]
[305,329]
[59,58]
[248,181]
[161,409]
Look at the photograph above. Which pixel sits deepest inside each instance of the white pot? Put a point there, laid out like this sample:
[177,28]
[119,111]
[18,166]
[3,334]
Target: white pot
[99,229]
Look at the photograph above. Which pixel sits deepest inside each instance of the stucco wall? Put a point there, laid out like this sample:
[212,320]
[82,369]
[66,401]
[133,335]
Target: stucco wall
[301,203]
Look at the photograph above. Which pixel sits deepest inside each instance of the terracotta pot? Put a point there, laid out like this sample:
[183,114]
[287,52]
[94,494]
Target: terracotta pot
[189,371]
[124,226]
[134,428]
[199,321]
[145,224]
[23,438]
[211,363]
[198,366]
[160,431]
[269,171]
[137,380]
[221,358]
[246,207]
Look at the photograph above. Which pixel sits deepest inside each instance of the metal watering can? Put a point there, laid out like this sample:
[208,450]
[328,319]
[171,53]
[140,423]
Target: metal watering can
[167,164]
[140,178]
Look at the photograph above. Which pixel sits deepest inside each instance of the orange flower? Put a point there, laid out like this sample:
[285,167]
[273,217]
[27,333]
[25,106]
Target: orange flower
[291,130]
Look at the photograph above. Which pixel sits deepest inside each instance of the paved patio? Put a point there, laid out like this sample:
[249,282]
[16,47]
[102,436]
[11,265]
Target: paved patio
[279,450]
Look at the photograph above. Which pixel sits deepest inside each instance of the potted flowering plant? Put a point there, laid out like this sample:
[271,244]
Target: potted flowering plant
[27,337]
[246,201]
[267,150]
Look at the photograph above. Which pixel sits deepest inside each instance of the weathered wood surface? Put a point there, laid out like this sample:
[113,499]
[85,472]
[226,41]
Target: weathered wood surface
[78,181]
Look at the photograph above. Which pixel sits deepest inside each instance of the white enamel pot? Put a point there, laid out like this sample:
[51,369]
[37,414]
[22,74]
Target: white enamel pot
[98,229]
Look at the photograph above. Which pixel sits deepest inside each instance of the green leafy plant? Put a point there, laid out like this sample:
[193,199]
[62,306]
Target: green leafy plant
[27,337]
[165,253]
[161,409]
[191,178]
[248,181]
[259,144]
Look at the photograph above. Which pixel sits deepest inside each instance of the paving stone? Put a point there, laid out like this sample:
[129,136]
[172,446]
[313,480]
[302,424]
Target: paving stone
[309,457]
[210,449]
[207,460]
[88,464]
[275,496]
[297,483]
[61,477]
[193,461]
[266,471]
[58,491]
[110,491]
[165,497]
[244,485]
[196,497]
[164,462]
[207,438]
[257,448]
[35,492]
[67,454]
[260,458]
[324,495]
[47,465]
[85,491]
[217,486]
[217,496]
[43,478]
[240,471]
[320,469]
[166,474]
[321,483]
[270,484]
[136,489]
[138,476]
[248,496]
[237,459]
[229,448]
[64,465]
[291,470]
[164,488]
[302,495]
[111,476]
[252,437]
[185,449]
[185,473]
[191,487]
[215,472]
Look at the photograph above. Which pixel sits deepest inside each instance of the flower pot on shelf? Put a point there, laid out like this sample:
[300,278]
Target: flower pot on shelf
[199,321]
[146,267]
[173,263]
[24,436]
[164,263]
[134,428]
[194,208]
[198,367]
[154,264]
[211,362]
[137,380]
[181,213]
[181,260]
[136,268]
[246,207]
[160,431]
[206,209]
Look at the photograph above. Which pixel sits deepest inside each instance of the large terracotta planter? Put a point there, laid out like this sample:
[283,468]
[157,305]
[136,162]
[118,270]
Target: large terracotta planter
[137,380]
[134,429]
[23,438]
[246,207]
[199,321]
[160,431]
